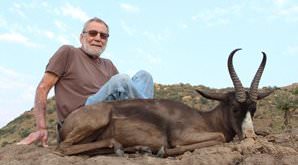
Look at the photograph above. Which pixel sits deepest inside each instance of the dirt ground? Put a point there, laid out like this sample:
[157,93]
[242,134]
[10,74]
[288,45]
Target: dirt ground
[271,149]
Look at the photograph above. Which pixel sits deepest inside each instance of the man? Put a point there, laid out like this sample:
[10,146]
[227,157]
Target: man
[81,77]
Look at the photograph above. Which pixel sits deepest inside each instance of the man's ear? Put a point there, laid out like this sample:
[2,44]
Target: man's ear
[81,38]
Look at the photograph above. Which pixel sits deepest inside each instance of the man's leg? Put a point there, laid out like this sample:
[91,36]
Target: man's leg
[121,87]
[143,82]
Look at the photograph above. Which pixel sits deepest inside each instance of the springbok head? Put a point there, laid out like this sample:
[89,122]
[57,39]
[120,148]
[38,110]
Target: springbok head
[240,104]
[246,99]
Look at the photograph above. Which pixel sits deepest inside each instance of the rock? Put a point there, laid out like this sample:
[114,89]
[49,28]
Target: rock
[186,98]
[264,159]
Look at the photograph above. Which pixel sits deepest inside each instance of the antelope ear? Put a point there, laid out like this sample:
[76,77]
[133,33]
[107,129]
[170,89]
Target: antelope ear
[264,94]
[212,95]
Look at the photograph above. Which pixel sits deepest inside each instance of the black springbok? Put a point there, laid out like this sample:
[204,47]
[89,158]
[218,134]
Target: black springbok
[163,125]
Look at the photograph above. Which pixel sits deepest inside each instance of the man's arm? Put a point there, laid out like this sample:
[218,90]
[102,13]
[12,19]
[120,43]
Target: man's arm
[47,82]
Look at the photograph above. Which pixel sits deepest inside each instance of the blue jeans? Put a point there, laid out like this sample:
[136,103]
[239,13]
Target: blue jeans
[121,87]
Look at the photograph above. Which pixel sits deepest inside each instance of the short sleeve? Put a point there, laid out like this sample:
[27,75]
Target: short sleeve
[59,61]
[110,67]
[113,68]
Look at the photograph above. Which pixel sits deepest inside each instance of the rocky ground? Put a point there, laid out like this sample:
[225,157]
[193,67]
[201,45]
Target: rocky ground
[272,149]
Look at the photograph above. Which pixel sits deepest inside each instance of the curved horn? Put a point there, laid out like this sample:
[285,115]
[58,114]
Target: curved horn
[240,92]
[253,91]
[212,96]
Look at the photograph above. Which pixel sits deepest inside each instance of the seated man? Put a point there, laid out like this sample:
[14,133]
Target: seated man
[81,77]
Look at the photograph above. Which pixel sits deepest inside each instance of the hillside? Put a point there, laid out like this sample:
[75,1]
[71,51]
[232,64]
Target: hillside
[271,121]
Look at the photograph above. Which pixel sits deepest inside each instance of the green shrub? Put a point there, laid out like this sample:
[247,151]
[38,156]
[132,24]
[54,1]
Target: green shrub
[24,132]
[8,130]
[295,92]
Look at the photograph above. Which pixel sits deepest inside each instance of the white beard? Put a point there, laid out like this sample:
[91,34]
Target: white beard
[91,51]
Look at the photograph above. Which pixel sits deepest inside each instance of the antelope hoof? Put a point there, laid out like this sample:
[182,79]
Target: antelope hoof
[146,149]
[161,153]
[119,152]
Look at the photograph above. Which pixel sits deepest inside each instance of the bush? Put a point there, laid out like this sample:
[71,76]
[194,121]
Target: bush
[295,92]
[8,130]
[24,132]
[287,102]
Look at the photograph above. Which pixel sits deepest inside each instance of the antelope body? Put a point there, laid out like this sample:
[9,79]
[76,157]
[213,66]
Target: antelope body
[163,126]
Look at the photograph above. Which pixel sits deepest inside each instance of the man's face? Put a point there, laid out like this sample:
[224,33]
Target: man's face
[94,39]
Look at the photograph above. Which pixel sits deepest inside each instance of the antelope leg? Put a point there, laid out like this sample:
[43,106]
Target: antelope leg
[181,149]
[197,140]
[80,148]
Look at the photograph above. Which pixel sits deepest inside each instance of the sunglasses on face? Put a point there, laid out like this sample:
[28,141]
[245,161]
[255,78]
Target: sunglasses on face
[93,33]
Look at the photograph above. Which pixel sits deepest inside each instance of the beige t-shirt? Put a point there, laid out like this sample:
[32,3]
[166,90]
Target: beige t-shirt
[80,76]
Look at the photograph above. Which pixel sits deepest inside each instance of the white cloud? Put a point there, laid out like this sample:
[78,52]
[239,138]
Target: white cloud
[74,38]
[60,25]
[17,9]
[45,4]
[62,40]
[217,16]
[38,32]
[290,11]
[26,5]
[59,37]
[8,72]
[49,34]
[129,30]
[14,82]
[157,37]
[16,93]
[16,37]
[74,12]
[280,2]
[17,5]
[129,8]
[289,14]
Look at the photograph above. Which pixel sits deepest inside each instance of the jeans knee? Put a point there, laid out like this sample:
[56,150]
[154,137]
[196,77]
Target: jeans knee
[120,79]
[143,74]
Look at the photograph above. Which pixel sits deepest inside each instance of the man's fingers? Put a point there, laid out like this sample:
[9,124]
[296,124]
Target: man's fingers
[45,140]
[29,139]
[45,144]
[41,136]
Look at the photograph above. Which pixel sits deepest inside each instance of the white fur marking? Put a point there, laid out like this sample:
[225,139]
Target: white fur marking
[247,126]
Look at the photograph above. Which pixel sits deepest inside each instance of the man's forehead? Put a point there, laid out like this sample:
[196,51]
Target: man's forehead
[96,26]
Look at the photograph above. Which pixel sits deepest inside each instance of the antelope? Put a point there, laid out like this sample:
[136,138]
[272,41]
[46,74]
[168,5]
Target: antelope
[163,126]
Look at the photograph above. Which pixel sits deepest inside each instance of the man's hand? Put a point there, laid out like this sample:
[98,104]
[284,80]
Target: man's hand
[40,135]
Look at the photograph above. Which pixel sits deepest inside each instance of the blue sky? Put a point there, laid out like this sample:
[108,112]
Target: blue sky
[176,41]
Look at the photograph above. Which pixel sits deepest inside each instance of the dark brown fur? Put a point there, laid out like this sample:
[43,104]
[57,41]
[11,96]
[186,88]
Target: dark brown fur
[153,123]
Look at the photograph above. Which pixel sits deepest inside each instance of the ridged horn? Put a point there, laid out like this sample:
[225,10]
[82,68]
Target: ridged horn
[240,92]
[212,96]
[253,91]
